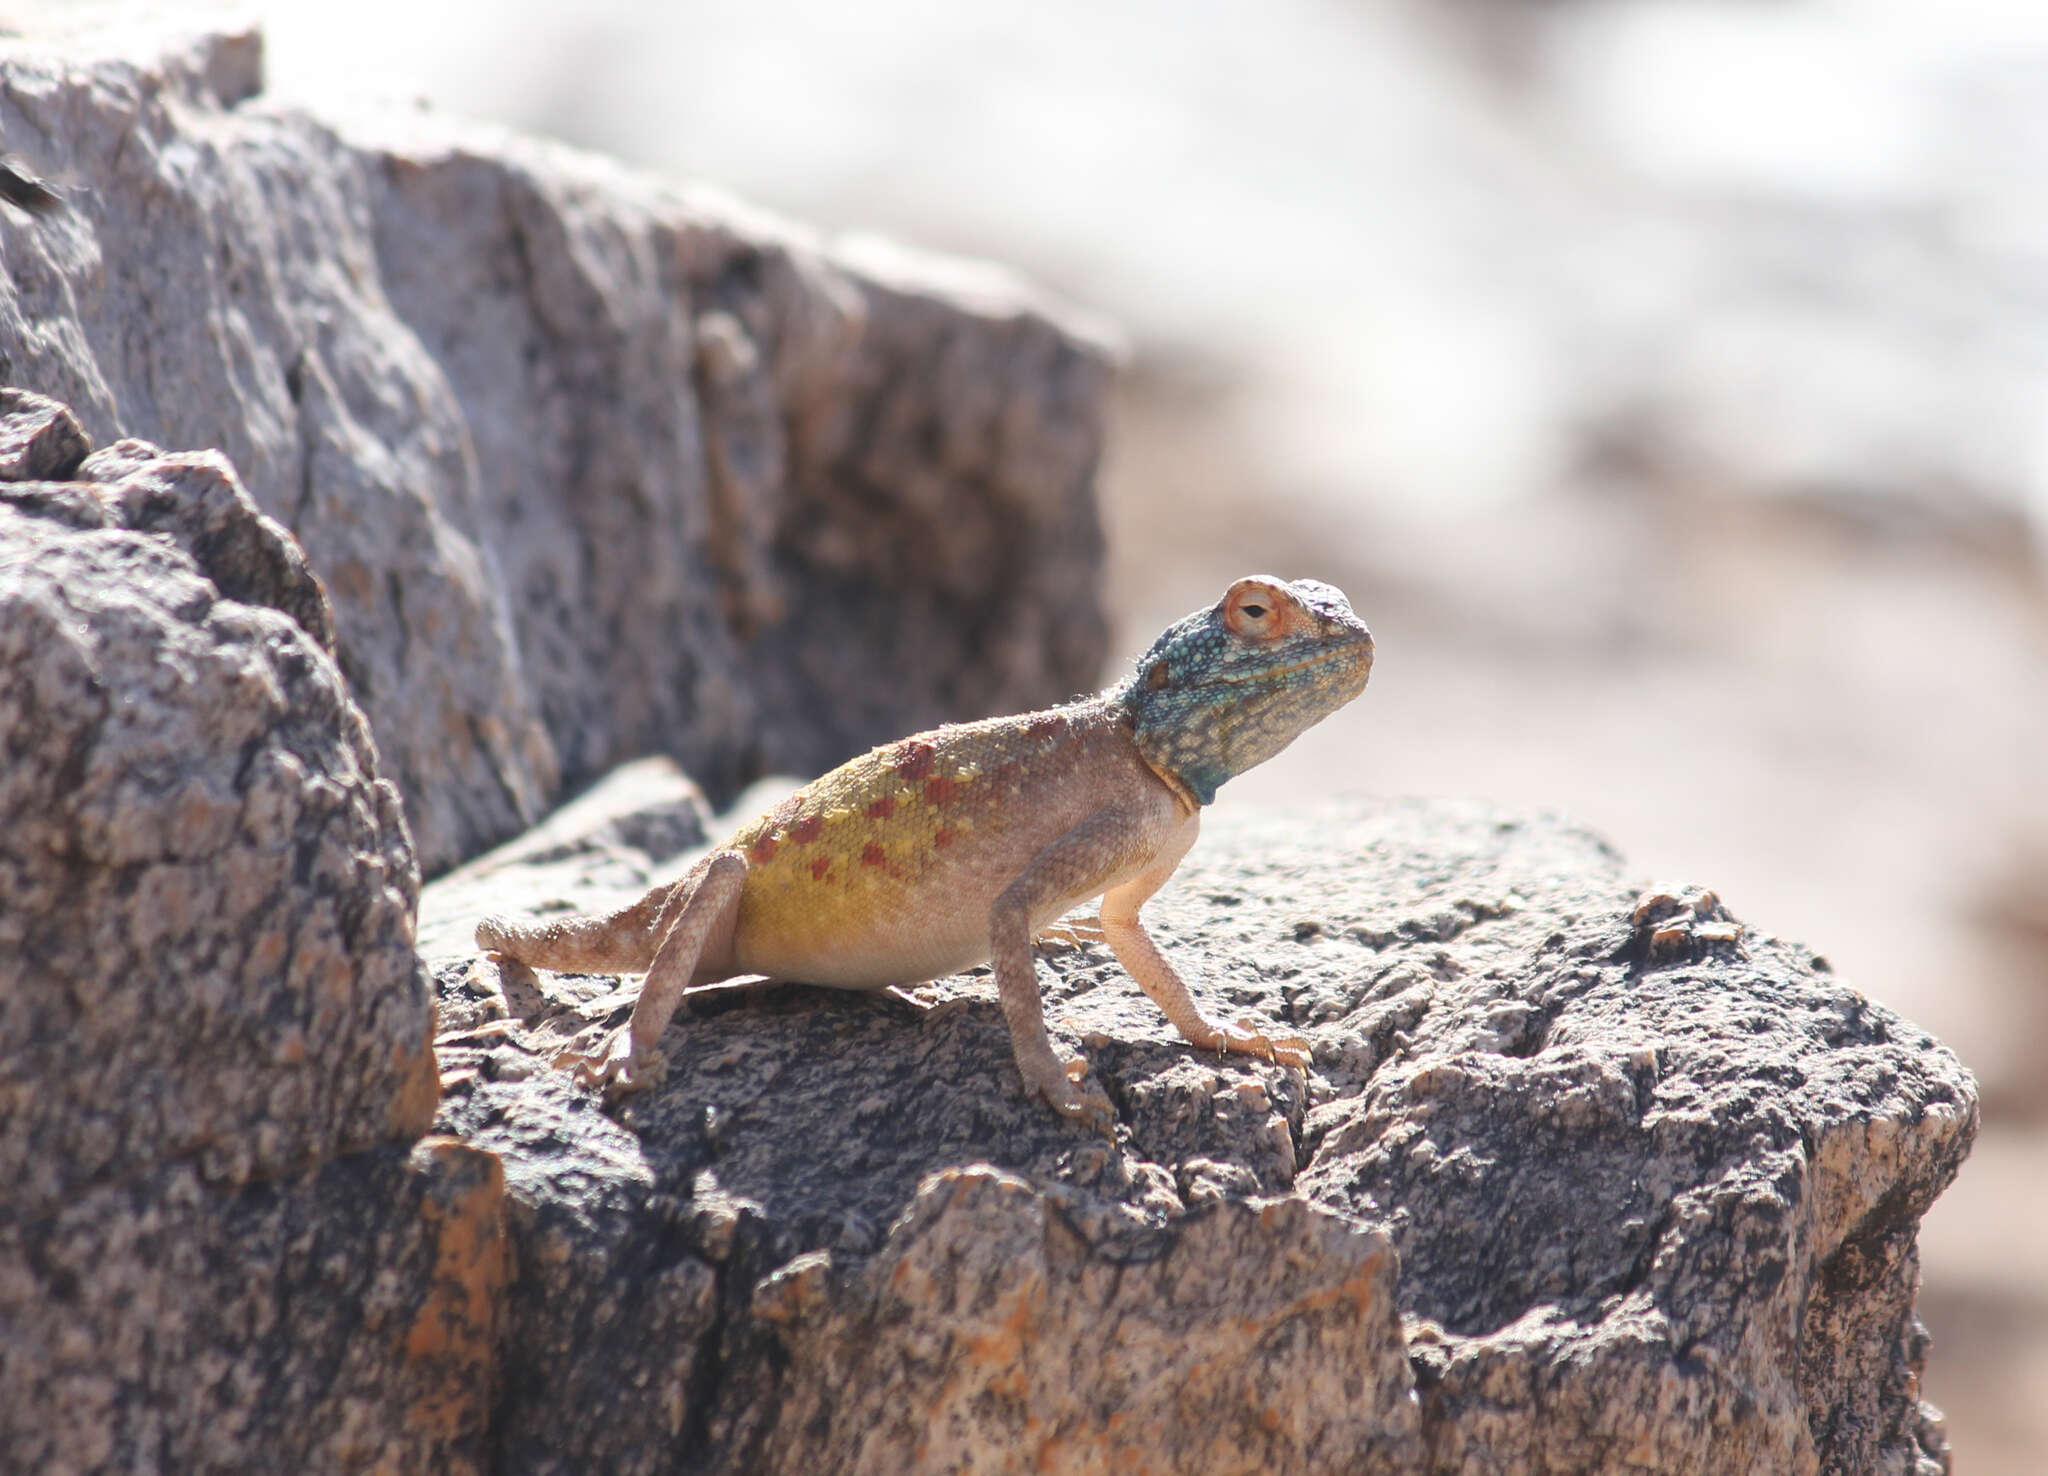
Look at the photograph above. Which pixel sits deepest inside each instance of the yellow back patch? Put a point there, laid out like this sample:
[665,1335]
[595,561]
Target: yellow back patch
[850,849]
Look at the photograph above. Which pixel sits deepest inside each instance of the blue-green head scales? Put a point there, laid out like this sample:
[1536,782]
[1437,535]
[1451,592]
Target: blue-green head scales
[1230,686]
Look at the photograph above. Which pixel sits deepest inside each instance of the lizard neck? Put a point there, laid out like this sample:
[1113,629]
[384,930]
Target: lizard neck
[1189,801]
[1193,787]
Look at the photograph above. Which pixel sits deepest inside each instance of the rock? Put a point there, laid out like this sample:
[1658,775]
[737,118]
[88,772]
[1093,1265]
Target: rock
[1239,1338]
[590,466]
[40,440]
[1640,1182]
[209,1003]
[343,1320]
[206,888]
[200,504]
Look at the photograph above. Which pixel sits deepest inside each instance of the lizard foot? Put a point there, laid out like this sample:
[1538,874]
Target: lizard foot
[1063,1093]
[615,1065]
[1077,930]
[1247,1039]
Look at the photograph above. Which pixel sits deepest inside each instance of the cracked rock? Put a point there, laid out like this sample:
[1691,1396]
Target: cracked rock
[342,1319]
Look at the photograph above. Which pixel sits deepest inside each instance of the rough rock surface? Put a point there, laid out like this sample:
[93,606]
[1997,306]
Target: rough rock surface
[590,466]
[210,1001]
[206,889]
[1649,1180]
[342,1320]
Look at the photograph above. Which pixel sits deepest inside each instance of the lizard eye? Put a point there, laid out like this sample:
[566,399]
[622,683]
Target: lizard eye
[1253,611]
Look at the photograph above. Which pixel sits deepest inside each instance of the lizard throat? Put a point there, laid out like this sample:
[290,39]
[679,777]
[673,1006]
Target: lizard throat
[1189,800]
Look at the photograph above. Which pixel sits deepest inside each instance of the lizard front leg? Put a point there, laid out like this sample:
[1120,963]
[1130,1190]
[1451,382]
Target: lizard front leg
[630,1058]
[1105,845]
[1143,961]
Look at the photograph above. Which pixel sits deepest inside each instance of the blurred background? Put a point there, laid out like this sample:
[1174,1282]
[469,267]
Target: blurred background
[1665,380]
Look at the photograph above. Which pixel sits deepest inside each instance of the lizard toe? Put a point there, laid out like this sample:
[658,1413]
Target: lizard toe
[615,1066]
[1092,1110]
[1291,1050]
[1247,1039]
[1088,1106]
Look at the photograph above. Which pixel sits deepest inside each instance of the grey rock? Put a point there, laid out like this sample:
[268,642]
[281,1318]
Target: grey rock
[209,991]
[40,440]
[993,1331]
[197,501]
[1649,1178]
[206,889]
[341,1320]
[24,191]
[590,467]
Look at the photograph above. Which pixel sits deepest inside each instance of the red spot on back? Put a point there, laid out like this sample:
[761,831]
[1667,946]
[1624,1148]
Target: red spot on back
[819,867]
[914,759]
[882,808]
[785,814]
[807,829]
[942,838]
[941,792]
[1045,725]
[762,851]
[873,855]
[1006,773]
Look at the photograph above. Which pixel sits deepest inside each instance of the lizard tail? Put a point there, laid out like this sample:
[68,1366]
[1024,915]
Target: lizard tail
[617,943]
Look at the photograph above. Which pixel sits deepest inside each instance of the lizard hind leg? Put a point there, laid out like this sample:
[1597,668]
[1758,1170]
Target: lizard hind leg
[630,1059]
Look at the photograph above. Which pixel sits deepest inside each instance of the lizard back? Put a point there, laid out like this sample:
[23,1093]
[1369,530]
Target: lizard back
[883,870]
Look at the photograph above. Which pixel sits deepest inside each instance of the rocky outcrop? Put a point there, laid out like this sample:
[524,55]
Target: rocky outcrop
[212,1014]
[343,1319]
[206,888]
[542,466]
[522,465]
[590,466]
[1583,1178]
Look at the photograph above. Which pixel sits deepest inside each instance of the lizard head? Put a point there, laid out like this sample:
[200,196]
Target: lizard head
[1230,686]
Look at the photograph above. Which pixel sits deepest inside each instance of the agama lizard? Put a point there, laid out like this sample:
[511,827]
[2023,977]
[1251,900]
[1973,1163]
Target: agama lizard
[957,846]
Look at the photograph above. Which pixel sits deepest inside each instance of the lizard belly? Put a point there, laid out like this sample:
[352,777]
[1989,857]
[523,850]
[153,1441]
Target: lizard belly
[877,911]
[883,871]
[876,936]
[893,947]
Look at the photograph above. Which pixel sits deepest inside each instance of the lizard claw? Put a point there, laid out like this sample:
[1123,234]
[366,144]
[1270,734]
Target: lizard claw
[1092,1110]
[615,1065]
[1063,1093]
[1077,930]
[1247,1039]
